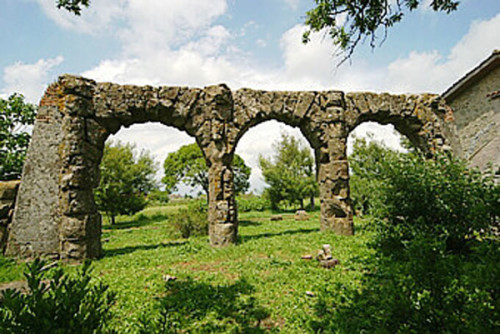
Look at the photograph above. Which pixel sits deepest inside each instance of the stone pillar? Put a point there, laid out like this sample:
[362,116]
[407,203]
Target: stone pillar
[333,178]
[222,212]
[81,152]
[8,193]
[34,227]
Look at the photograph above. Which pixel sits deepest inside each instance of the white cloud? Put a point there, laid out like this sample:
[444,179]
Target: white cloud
[431,71]
[29,79]
[95,19]
[294,4]
[167,42]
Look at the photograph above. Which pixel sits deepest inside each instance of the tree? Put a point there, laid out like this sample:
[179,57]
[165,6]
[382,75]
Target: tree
[126,179]
[73,6]
[349,21]
[366,163]
[15,115]
[290,173]
[188,165]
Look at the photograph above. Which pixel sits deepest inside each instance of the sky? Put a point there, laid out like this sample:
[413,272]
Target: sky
[243,43]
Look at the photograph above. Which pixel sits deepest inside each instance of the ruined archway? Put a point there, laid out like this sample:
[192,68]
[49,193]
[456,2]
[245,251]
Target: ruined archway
[55,214]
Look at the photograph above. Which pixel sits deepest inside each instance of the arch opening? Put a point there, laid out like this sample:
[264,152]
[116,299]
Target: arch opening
[261,140]
[370,144]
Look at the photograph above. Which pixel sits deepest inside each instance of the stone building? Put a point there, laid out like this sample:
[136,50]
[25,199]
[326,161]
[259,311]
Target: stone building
[475,100]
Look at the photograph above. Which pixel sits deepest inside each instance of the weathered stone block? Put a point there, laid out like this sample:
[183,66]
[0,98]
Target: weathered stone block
[8,189]
[301,215]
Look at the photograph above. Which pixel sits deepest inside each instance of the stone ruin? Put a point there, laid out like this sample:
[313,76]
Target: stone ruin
[56,216]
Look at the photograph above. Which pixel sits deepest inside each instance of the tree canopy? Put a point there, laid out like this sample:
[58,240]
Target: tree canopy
[73,6]
[350,21]
[15,115]
[290,173]
[126,179]
[187,165]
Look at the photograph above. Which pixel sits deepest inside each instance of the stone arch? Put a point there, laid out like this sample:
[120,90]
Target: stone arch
[55,214]
[75,118]
[418,117]
[320,118]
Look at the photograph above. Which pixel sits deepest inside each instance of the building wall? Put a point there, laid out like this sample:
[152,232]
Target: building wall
[477,119]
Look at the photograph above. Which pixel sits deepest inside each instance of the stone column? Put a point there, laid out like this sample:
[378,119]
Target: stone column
[81,152]
[8,193]
[333,178]
[34,227]
[222,212]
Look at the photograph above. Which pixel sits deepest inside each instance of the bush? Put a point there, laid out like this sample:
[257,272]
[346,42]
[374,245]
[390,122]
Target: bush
[192,220]
[367,163]
[158,197]
[57,303]
[252,202]
[437,198]
[435,263]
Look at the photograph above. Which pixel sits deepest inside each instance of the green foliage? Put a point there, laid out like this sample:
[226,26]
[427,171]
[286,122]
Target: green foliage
[73,6]
[192,220]
[290,174]
[247,203]
[435,264]
[436,199]
[367,162]
[350,21]
[158,197]
[15,114]
[56,303]
[188,165]
[126,179]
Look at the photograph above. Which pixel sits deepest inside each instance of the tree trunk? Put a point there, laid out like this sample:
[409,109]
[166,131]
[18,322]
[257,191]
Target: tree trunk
[302,203]
[312,202]
[112,220]
[207,193]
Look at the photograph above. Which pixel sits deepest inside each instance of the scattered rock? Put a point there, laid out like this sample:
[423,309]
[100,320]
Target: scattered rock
[301,215]
[325,253]
[168,278]
[307,257]
[325,257]
[328,264]
[276,218]
[309,293]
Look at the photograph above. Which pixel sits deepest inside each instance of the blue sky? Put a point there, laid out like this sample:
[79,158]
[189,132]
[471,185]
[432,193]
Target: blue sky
[253,43]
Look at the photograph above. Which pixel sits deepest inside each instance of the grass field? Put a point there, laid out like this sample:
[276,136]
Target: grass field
[260,284]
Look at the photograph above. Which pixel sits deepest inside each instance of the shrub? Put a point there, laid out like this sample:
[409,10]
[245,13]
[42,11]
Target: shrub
[438,198]
[158,197]
[367,163]
[192,220]
[252,202]
[57,303]
[435,265]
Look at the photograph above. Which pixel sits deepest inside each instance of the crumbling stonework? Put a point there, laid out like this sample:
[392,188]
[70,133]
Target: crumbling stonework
[474,102]
[8,193]
[57,216]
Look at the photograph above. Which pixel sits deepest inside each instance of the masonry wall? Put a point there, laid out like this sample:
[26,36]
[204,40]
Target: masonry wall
[56,215]
[477,119]
[8,193]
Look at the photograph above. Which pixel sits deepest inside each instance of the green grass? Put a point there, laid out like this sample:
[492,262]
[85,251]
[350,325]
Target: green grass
[259,284]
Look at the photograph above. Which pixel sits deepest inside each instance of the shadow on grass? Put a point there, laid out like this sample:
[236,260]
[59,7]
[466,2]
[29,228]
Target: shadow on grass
[138,221]
[249,223]
[131,249]
[245,238]
[192,306]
